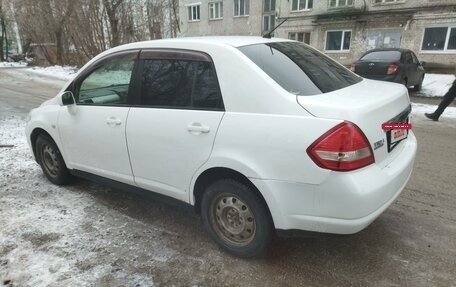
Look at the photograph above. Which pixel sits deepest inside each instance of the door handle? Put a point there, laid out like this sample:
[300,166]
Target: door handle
[113,121]
[198,128]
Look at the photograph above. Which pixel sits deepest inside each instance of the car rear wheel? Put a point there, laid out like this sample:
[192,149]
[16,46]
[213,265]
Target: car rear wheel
[51,160]
[418,87]
[405,82]
[236,218]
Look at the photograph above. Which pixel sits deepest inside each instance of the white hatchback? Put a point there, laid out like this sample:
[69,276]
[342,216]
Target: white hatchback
[258,134]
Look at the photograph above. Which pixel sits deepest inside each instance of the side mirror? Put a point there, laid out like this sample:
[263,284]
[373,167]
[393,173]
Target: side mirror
[423,63]
[67,98]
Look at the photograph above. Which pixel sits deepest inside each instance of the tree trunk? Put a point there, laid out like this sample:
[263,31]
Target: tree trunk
[2,24]
[59,45]
[111,9]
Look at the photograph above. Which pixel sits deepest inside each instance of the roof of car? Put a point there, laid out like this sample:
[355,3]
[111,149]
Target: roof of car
[234,41]
[388,49]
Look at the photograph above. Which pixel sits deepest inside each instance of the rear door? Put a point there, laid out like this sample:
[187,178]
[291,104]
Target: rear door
[418,70]
[172,126]
[410,69]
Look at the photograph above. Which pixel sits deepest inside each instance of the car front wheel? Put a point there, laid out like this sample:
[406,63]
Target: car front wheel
[51,160]
[236,218]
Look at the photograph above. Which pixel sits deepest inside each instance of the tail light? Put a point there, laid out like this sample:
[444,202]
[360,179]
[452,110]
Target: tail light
[343,148]
[392,69]
[352,67]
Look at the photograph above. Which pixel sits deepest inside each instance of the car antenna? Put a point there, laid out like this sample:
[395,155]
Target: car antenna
[268,35]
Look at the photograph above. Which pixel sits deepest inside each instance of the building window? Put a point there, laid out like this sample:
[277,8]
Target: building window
[390,38]
[300,36]
[215,10]
[269,15]
[387,1]
[340,3]
[269,6]
[338,40]
[194,12]
[268,22]
[299,5]
[241,8]
[439,39]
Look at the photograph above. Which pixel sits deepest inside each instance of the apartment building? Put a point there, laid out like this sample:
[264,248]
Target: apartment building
[343,29]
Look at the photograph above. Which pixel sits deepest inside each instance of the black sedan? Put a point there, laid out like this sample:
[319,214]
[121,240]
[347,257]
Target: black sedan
[393,65]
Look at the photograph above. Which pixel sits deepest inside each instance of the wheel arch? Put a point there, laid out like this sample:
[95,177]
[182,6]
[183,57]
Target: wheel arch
[34,136]
[217,173]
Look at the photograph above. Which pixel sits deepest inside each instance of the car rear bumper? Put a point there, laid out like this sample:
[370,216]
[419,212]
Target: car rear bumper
[388,78]
[346,202]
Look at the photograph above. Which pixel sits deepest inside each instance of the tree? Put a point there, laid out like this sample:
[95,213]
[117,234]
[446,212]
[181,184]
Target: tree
[111,7]
[3,37]
[80,29]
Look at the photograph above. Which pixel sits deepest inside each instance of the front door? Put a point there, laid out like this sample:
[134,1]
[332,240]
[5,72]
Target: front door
[93,130]
[170,133]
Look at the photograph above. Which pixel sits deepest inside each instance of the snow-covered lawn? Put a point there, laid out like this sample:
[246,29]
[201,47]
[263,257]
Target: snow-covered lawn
[12,64]
[64,73]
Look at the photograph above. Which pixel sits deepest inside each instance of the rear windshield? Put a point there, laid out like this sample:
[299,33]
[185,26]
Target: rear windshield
[299,69]
[382,56]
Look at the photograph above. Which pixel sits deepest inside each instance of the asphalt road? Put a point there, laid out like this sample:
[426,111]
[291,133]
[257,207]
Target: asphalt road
[412,244]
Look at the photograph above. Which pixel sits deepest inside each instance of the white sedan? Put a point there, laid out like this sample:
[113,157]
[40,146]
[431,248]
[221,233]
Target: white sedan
[258,134]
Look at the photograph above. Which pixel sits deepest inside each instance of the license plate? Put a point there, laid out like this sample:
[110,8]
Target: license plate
[398,135]
[394,137]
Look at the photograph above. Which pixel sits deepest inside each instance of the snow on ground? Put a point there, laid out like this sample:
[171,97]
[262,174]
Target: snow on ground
[420,109]
[87,235]
[447,118]
[12,64]
[51,236]
[64,73]
[436,85]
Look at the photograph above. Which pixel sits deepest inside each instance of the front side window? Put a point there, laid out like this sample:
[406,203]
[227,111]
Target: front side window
[215,10]
[184,84]
[439,39]
[194,12]
[107,85]
[340,3]
[300,5]
[241,7]
[338,40]
[300,69]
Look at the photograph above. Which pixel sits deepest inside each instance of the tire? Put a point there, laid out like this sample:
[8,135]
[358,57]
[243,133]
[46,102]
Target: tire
[405,83]
[236,218]
[51,161]
[418,87]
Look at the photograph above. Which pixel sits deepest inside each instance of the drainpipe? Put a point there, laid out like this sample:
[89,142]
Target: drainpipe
[407,25]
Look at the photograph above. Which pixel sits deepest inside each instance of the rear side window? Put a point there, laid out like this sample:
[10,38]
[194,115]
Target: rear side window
[382,56]
[175,83]
[299,69]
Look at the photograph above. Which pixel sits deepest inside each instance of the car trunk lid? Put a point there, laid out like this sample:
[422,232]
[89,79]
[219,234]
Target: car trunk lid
[370,68]
[368,104]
